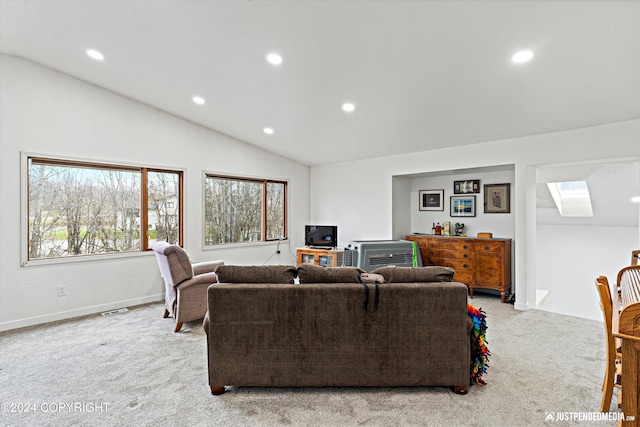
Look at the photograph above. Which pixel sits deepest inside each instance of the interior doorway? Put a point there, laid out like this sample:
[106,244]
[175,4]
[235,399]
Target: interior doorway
[571,251]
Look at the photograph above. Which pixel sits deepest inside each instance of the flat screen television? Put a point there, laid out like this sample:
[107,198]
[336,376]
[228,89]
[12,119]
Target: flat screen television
[321,236]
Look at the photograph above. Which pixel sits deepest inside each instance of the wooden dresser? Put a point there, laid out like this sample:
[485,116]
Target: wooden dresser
[479,263]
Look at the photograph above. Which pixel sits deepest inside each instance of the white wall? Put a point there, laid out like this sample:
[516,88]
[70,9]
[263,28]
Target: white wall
[49,113]
[358,195]
[501,225]
[571,257]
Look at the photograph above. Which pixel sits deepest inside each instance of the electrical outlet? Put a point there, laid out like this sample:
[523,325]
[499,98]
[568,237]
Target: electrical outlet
[62,290]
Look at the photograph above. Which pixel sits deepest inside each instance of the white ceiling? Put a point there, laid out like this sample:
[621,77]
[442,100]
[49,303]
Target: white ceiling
[422,74]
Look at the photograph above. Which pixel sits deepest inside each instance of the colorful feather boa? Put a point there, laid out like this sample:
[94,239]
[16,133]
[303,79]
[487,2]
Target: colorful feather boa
[479,351]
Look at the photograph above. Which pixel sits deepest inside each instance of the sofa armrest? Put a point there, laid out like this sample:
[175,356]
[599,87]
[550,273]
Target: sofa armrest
[206,267]
[206,278]
[205,323]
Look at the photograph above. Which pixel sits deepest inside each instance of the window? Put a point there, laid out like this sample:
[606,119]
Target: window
[571,198]
[78,208]
[163,203]
[239,210]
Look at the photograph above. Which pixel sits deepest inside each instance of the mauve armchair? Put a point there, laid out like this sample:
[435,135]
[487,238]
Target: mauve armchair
[186,283]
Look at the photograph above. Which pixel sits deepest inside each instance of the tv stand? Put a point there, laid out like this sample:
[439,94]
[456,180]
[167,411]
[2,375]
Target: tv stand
[324,257]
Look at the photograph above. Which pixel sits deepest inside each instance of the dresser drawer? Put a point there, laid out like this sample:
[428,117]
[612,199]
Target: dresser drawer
[493,247]
[463,271]
[463,277]
[449,253]
[450,244]
[459,265]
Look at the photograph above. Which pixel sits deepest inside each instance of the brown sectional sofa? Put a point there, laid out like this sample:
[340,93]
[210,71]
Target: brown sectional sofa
[332,330]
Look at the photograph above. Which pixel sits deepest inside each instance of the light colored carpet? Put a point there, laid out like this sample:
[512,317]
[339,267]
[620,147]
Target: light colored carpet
[143,374]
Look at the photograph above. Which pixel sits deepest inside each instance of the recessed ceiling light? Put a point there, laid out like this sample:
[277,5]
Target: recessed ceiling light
[348,107]
[522,56]
[274,59]
[268,131]
[95,54]
[198,100]
[635,199]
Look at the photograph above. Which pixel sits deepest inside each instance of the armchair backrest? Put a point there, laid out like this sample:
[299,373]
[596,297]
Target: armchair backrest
[174,263]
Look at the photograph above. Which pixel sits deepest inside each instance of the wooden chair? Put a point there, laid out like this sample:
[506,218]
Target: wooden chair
[628,284]
[614,357]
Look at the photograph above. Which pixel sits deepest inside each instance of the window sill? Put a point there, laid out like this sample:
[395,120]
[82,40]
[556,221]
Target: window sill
[84,258]
[245,244]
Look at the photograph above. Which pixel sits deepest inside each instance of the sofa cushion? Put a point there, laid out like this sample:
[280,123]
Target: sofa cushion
[256,273]
[416,274]
[309,273]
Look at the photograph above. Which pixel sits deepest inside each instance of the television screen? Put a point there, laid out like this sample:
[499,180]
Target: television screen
[325,236]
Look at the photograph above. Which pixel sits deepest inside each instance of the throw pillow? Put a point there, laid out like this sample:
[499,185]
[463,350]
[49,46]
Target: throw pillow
[416,274]
[372,278]
[256,273]
[309,273]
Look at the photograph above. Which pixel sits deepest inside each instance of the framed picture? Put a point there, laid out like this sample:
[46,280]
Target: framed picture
[463,205]
[431,200]
[497,198]
[465,187]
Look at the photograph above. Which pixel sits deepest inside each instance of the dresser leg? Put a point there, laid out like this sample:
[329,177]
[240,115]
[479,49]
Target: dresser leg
[471,292]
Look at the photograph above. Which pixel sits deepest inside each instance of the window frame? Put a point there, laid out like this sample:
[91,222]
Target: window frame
[55,160]
[263,214]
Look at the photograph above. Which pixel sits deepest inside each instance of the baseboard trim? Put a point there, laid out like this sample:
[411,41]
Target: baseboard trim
[84,311]
[520,306]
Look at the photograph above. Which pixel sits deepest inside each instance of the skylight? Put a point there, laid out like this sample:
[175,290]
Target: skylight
[572,198]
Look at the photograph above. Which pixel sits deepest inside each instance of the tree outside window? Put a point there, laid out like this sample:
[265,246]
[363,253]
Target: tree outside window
[163,216]
[78,208]
[240,210]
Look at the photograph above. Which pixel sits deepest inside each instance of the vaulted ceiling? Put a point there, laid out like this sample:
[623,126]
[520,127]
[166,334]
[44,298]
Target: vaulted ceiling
[421,74]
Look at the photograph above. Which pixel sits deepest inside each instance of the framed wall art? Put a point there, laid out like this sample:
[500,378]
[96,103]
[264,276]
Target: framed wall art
[431,200]
[463,206]
[497,198]
[465,187]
